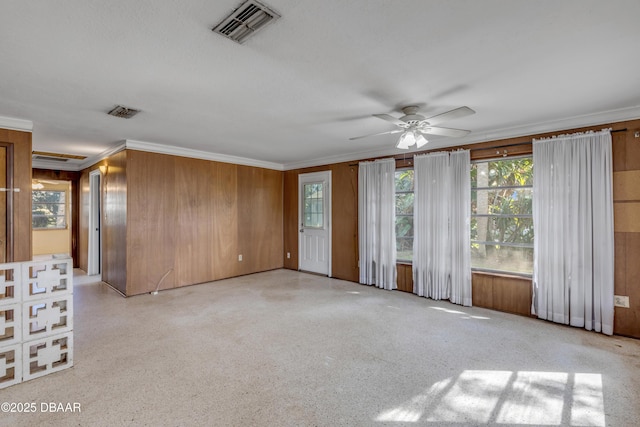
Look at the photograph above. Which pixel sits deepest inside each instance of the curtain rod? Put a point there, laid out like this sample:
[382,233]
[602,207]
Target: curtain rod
[493,147]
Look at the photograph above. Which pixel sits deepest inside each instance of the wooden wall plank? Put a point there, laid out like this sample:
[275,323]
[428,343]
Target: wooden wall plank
[4,220]
[290,219]
[626,186]
[191,254]
[223,246]
[151,221]
[627,320]
[260,233]
[83,220]
[632,146]
[511,294]
[114,222]
[405,277]
[619,151]
[344,230]
[620,263]
[626,217]
[21,142]
[482,290]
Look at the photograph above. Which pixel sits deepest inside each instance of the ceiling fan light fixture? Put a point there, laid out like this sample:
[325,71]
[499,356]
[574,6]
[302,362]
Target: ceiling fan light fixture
[421,141]
[406,140]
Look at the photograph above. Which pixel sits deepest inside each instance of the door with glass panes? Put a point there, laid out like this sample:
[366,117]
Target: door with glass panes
[314,240]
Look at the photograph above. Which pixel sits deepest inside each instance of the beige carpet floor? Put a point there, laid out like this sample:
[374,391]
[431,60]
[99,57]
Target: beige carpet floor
[284,348]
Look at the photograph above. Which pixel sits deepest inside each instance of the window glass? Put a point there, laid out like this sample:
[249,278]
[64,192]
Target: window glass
[313,205]
[404,214]
[48,209]
[501,215]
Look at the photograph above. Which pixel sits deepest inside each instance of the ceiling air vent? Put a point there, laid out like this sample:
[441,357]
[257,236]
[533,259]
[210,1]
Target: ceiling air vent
[245,21]
[48,158]
[123,112]
[57,157]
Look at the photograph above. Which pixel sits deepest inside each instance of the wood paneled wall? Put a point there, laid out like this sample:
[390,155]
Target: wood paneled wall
[21,143]
[405,277]
[344,219]
[175,221]
[83,219]
[114,222]
[503,293]
[259,214]
[626,196]
[74,178]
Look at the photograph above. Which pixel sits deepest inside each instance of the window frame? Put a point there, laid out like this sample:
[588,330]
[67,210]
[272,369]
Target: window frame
[313,214]
[64,216]
[527,216]
[396,192]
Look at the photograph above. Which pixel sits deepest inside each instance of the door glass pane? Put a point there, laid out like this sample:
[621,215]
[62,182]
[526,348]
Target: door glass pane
[313,205]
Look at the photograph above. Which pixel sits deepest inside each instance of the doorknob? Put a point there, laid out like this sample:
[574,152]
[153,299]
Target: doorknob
[302,230]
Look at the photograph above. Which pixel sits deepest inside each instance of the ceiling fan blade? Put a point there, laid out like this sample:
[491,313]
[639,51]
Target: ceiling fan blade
[376,134]
[434,130]
[450,115]
[391,119]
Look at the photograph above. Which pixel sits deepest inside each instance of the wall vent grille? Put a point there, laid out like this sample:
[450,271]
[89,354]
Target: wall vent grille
[245,21]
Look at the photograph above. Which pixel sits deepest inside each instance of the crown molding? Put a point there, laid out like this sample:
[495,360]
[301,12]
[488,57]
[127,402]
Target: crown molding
[560,125]
[131,144]
[586,120]
[16,124]
[360,155]
[106,153]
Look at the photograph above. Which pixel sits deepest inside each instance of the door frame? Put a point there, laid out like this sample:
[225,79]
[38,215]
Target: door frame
[8,193]
[325,177]
[94,255]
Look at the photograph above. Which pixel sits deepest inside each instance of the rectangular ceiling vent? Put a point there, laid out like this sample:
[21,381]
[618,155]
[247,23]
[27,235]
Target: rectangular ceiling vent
[56,157]
[123,112]
[48,158]
[245,21]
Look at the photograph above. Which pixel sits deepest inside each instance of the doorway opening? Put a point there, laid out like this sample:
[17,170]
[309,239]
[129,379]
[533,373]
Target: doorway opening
[94,258]
[51,218]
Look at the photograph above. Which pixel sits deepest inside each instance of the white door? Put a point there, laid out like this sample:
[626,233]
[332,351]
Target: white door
[94,257]
[314,217]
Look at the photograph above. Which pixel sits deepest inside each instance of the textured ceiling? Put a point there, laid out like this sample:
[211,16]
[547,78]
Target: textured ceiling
[295,93]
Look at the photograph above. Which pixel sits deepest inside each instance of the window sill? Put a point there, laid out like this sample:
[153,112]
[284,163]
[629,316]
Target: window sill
[501,274]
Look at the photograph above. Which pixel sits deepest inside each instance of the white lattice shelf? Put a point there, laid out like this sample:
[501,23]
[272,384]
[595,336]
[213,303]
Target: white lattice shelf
[36,319]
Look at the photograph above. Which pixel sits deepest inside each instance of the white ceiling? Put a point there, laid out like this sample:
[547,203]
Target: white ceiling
[293,95]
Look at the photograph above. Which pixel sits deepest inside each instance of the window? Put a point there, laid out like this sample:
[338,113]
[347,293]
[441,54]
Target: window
[501,215]
[49,209]
[313,205]
[404,214]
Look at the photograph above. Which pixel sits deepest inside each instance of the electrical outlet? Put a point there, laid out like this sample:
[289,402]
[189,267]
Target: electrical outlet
[240,257]
[288,254]
[621,301]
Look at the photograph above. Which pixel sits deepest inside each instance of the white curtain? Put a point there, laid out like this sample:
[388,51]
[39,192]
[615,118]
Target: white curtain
[376,223]
[441,226]
[573,222]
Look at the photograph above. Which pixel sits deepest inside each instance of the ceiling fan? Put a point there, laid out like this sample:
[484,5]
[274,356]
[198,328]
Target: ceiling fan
[414,126]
